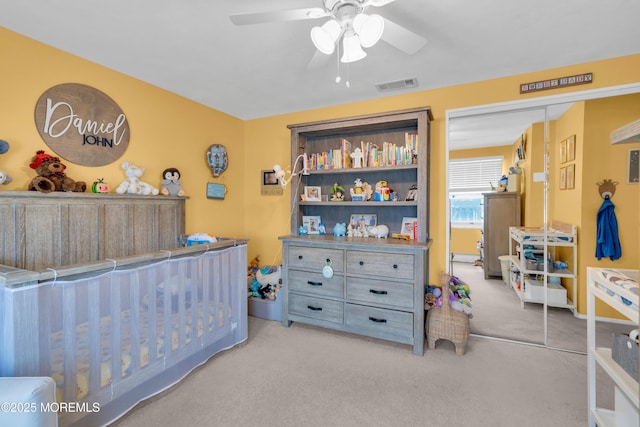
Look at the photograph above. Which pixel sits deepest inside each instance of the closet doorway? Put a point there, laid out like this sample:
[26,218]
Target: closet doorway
[497,310]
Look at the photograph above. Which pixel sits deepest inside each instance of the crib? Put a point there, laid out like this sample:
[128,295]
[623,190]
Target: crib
[116,331]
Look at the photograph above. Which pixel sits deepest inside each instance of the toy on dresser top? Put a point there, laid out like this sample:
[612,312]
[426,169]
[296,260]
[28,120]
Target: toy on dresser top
[51,175]
[5,178]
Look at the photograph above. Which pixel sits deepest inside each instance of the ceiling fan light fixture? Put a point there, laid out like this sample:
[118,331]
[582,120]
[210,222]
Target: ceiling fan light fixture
[352,48]
[324,38]
[369,28]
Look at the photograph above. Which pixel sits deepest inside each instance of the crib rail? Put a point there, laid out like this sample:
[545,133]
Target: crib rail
[112,332]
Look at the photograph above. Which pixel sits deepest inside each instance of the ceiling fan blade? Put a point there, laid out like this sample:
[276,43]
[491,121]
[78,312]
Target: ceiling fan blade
[278,16]
[379,3]
[401,38]
[319,60]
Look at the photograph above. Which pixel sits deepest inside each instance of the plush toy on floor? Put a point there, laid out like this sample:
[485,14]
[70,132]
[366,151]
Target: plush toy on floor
[51,175]
[133,185]
[267,283]
[253,266]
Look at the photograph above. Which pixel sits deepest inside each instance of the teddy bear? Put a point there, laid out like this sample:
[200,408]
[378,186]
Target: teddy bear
[132,184]
[5,178]
[171,183]
[51,175]
[253,266]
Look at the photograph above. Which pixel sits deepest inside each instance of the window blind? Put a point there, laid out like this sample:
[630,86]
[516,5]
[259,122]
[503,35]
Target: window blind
[477,174]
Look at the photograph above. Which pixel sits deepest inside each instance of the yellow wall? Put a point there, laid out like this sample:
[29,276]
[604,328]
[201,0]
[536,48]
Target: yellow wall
[168,130]
[465,240]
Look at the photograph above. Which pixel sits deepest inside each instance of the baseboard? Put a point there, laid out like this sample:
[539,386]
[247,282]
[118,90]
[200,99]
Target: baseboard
[470,258]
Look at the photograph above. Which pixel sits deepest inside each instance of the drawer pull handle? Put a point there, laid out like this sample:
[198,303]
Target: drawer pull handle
[373,319]
[310,307]
[373,291]
[314,283]
[395,266]
[361,262]
[299,256]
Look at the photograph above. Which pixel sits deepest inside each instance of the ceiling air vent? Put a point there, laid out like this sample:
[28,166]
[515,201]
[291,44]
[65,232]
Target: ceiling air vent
[397,85]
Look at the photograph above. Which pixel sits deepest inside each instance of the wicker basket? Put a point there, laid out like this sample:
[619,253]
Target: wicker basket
[446,323]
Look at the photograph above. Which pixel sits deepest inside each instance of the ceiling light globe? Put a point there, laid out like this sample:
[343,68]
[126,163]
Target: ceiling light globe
[369,28]
[352,49]
[324,38]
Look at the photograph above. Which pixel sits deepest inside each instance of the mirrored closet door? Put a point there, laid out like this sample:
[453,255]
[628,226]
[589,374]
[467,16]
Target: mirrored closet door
[543,141]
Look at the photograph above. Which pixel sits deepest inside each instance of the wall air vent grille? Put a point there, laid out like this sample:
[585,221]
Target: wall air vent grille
[397,85]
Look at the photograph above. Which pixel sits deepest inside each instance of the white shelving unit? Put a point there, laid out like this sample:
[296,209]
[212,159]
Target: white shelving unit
[532,240]
[597,287]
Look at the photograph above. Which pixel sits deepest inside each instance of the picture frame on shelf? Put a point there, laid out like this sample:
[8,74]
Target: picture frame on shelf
[409,227]
[365,221]
[312,193]
[312,222]
[412,194]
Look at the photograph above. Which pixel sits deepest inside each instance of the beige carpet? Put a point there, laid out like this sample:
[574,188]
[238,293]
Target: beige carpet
[307,376]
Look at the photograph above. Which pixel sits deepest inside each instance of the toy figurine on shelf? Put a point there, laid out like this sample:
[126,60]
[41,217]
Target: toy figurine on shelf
[382,193]
[361,192]
[337,193]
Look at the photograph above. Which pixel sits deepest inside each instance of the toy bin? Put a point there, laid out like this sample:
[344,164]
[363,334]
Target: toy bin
[265,308]
[505,267]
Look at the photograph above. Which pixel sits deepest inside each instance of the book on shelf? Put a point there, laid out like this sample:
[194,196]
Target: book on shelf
[384,155]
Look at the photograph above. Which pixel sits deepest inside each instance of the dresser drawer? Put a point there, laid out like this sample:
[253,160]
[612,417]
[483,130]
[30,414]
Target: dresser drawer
[314,283]
[370,291]
[316,308]
[382,264]
[380,323]
[315,258]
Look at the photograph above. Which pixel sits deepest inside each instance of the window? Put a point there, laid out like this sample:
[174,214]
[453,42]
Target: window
[468,179]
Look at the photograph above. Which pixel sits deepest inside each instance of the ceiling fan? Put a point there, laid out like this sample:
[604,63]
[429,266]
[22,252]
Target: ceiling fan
[349,22]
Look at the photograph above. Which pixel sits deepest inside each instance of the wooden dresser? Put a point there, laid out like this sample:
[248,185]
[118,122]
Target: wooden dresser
[377,287]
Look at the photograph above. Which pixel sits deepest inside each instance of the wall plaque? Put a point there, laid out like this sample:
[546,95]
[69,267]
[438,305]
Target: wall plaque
[82,124]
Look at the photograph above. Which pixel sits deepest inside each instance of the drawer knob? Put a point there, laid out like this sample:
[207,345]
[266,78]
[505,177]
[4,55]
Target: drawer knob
[373,319]
[361,262]
[373,291]
[314,283]
[299,256]
[395,266]
[310,307]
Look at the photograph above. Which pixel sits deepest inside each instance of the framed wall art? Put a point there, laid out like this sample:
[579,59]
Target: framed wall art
[571,177]
[563,178]
[633,166]
[563,151]
[571,148]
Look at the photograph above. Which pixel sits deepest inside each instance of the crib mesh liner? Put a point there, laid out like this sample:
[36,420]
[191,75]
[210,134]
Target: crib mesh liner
[619,286]
[135,306]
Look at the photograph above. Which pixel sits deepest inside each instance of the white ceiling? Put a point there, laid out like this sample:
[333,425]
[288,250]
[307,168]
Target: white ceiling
[191,47]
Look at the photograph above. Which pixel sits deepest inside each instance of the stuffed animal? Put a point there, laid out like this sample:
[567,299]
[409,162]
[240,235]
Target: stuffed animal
[267,283]
[5,178]
[340,229]
[133,185]
[171,183]
[51,175]
[253,267]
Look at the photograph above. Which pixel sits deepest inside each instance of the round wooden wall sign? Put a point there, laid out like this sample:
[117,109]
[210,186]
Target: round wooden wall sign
[82,125]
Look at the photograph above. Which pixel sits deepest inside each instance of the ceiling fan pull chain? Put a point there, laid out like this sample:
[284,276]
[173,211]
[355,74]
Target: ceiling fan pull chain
[338,78]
